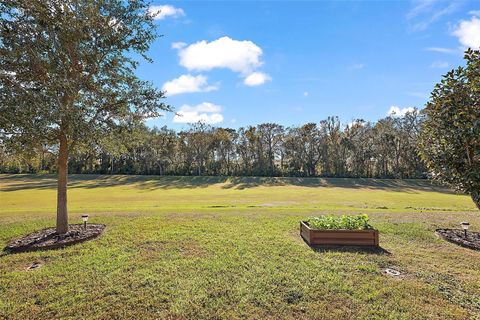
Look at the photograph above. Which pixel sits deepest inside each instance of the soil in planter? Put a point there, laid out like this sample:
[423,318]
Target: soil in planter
[48,238]
[457,236]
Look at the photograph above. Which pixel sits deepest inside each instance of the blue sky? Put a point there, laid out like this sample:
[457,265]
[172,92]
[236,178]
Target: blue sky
[234,64]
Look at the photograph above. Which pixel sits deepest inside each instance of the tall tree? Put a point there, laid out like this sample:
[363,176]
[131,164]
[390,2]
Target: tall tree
[224,141]
[197,142]
[68,74]
[270,136]
[303,148]
[450,137]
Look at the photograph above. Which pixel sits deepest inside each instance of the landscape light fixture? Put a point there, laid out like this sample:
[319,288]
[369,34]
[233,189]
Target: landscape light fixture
[85,219]
[465,226]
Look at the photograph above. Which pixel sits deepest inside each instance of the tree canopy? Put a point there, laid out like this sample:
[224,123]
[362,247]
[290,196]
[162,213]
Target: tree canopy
[67,75]
[450,138]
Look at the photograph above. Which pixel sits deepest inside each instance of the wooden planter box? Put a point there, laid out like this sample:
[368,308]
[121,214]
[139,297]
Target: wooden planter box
[338,237]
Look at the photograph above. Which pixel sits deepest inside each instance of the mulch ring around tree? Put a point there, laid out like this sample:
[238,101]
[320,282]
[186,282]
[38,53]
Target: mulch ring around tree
[49,239]
[457,236]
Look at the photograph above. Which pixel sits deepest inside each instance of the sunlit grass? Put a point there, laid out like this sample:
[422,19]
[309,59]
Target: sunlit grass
[179,247]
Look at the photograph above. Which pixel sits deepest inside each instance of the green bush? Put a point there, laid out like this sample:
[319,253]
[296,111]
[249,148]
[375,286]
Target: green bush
[329,222]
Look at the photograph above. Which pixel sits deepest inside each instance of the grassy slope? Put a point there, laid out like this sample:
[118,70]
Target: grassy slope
[203,247]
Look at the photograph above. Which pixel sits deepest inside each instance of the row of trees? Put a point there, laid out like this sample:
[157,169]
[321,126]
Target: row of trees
[387,148]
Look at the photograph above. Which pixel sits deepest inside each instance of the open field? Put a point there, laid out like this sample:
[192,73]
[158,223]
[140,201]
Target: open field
[228,248]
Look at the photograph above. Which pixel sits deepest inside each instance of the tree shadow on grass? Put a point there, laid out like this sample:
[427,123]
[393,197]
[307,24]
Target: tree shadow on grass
[399,185]
[91,181]
[11,182]
[351,249]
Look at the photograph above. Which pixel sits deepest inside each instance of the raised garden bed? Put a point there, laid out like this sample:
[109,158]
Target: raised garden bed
[48,238]
[338,237]
[347,230]
[457,236]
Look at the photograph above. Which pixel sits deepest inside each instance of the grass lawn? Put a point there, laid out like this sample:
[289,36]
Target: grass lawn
[229,248]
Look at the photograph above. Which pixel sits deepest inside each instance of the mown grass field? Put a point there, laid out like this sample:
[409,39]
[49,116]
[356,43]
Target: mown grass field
[229,248]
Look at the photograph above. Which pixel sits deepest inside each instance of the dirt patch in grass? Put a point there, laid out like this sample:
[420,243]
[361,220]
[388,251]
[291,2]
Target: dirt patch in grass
[457,236]
[153,246]
[49,239]
[191,249]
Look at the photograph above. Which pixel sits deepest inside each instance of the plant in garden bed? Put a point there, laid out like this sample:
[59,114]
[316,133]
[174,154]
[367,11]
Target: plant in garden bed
[353,230]
[344,222]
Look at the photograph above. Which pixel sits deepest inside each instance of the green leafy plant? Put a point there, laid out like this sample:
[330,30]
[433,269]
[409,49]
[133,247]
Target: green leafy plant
[329,222]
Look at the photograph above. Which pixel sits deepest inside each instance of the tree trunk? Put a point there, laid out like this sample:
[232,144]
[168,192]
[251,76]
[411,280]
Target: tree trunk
[476,198]
[62,167]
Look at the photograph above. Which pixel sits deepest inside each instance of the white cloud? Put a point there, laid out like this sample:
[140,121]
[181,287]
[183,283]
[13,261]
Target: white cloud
[468,32]
[440,50]
[163,11]
[243,57]
[475,13]
[420,7]
[439,64]
[239,56]
[203,107]
[205,112]
[395,111]
[178,45]
[305,94]
[256,79]
[425,12]
[187,83]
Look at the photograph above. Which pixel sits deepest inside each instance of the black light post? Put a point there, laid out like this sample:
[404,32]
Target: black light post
[85,219]
[465,226]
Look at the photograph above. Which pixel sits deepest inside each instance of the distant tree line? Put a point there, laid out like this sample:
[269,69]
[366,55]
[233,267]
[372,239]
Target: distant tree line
[387,149]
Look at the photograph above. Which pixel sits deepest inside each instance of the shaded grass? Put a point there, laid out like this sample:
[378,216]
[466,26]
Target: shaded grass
[220,252]
[26,195]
